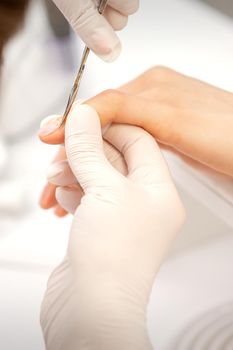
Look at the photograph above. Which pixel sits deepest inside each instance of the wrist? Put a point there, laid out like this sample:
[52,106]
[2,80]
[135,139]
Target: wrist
[112,324]
[105,315]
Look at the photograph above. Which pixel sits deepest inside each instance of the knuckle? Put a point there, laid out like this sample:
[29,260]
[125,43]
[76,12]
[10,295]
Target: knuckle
[161,73]
[114,96]
[79,18]
[119,23]
[132,7]
[128,7]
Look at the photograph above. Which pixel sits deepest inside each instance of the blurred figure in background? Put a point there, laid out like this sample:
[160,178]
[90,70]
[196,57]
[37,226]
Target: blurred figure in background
[59,24]
[11,17]
[42,61]
[12,14]
[95,30]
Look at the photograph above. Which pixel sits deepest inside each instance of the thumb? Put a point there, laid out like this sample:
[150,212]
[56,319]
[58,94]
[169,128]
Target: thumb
[84,148]
[91,27]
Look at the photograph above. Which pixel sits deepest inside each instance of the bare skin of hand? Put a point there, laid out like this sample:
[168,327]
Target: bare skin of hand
[190,116]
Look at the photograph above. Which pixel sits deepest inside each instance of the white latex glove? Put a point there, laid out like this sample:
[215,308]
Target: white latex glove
[95,30]
[97,298]
[69,192]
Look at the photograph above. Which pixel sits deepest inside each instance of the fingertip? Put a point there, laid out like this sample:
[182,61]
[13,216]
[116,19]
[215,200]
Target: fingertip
[69,198]
[102,39]
[47,199]
[51,130]
[113,54]
[127,7]
[60,212]
[54,138]
[117,20]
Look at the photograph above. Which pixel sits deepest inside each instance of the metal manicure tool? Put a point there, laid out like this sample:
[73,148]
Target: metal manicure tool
[75,88]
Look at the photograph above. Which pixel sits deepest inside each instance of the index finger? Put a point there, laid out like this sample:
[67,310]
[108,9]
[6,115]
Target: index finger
[118,107]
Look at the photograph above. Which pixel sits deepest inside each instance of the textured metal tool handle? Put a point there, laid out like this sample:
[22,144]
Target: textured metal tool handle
[75,88]
[102,6]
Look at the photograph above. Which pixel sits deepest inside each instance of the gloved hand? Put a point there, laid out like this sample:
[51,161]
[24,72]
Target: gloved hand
[97,298]
[95,30]
[48,195]
[59,174]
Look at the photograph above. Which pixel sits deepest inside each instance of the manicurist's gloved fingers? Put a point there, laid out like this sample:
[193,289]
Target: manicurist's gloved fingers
[60,174]
[69,192]
[117,20]
[141,153]
[118,11]
[115,158]
[84,148]
[69,198]
[91,27]
[47,198]
[126,7]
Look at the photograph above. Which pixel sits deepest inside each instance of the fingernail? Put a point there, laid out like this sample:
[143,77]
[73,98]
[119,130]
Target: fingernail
[49,125]
[54,170]
[113,54]
[106,44]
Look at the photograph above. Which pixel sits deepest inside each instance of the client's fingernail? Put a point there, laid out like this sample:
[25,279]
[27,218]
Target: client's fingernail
[49,125]
[54,170]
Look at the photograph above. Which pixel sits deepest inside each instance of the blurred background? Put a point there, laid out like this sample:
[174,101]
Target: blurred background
[192,301]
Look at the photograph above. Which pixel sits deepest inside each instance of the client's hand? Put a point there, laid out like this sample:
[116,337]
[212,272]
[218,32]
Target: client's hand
[97,298]
[192,117]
